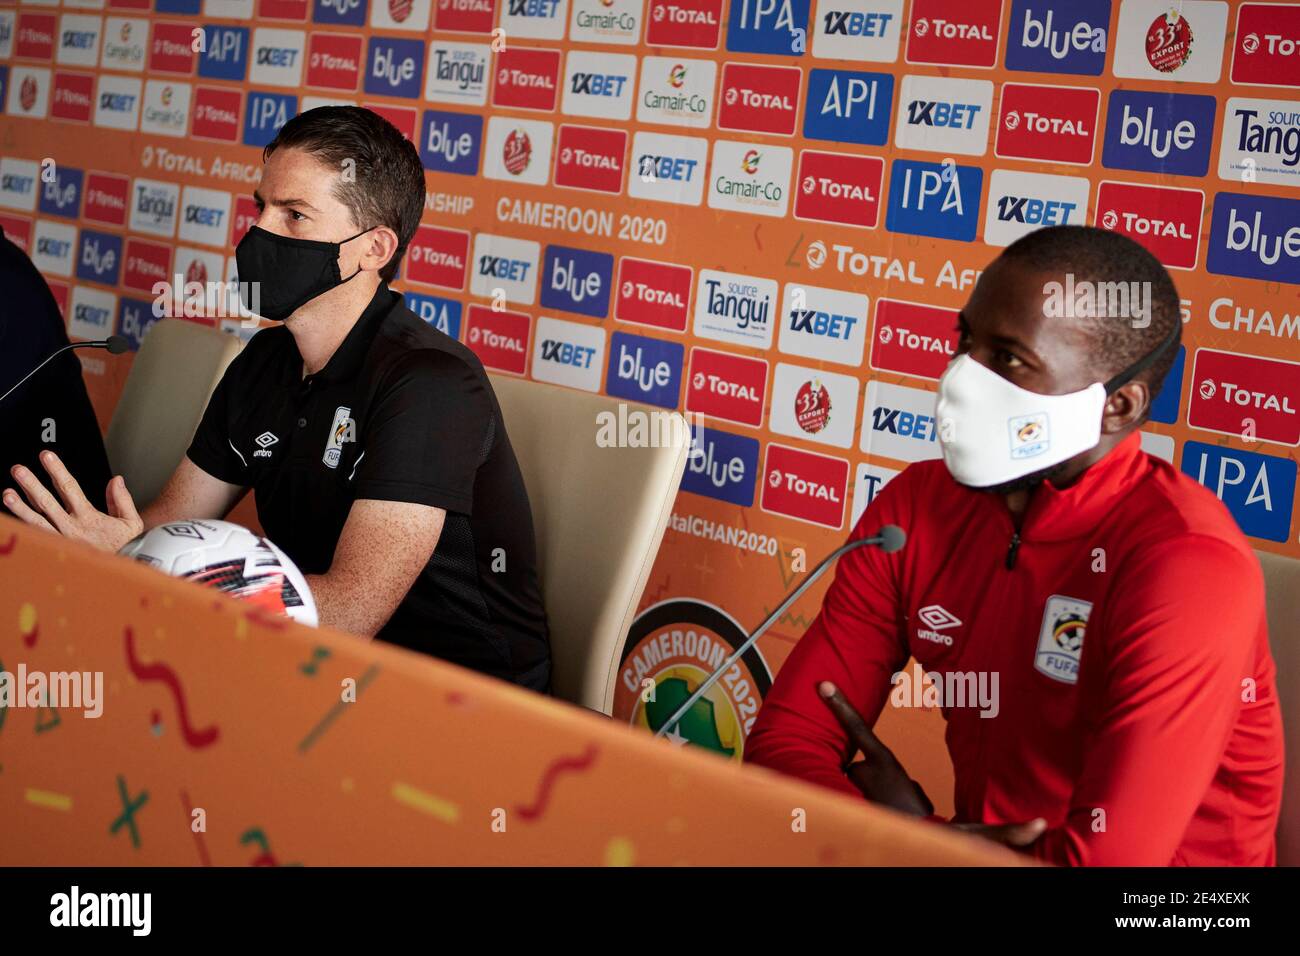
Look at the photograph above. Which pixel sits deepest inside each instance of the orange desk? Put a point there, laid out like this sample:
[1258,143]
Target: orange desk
[225,740]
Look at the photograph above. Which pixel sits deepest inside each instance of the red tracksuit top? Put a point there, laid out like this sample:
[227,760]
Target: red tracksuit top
[1131,645]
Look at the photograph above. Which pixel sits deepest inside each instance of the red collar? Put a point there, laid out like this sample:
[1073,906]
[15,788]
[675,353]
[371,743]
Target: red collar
[1058,514]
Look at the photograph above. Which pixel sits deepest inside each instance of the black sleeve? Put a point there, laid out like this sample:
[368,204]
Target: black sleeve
[211,448]
[427,433]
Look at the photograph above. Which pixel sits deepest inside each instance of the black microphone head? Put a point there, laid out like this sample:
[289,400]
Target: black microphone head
[117,344]
[892,538]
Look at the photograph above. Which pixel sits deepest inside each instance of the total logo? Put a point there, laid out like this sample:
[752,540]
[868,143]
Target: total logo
[124,44]
[577,280]
[816,406]
[527,78]
[694,24]
[676,92]
[54,246]
[171,50]
[1165,220]
[850,260]
[726,386]
[1020,203]
[1055,124]
[760,99]
[824,324]
[653,293]
[166,108]
[721,466]
[768,26]
[505,267]
[1160,132]
[100,257]
[62,195]
[1258,489]
[539,19]
[106,197]
[898,422]
[599,84]
[1180,43]
[735,308]
[868,482]
[912,338]
[117,102]
[73,97]
[29,92]
[518,150]
[91,315]
[224,55]
[145,264]
[848,107]
[78,40]
[590,158]
[1058,36]
[858,30]
[449,142]
[1261,142]
[668,168]
[569,353]
[277,57]
[216,114]
[954,32]
[1256,237]
[410,15]
[395,68]
[334,62]
[606,21]
[153,207]
[929,199]
[35,36]
[1246,395]
[499,338]
[466,16]
[942,115]
[643,369]
[839,188]
[438,257]
[804,485]
[458,73]
[749,178]
[442,314]
[1267,47]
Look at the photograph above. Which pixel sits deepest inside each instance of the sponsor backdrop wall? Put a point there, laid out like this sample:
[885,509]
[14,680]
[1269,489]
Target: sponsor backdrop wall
[762,212]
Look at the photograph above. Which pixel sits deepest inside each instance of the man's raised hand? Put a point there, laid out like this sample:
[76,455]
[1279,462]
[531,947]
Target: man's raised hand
[74,516]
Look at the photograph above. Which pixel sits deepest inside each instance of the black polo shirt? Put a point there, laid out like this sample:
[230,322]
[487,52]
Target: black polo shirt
[425,428]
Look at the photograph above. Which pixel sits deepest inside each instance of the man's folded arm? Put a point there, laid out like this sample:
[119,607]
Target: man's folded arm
[1182,627]
[856,643]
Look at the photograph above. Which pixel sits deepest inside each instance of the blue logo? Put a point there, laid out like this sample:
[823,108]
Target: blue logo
[134,319]
[349,12]
[450,142]
[1258,489]
[1256,237]
[1058,36]
[176,6]
[849,107]
[1164,407]
[63,196]
[394,67]
[99,258]
[1159,132]
[442,314]
[225,53]
[934,199]
[768,26]
[576,280]
[722,466]
[644,370]
[265,114]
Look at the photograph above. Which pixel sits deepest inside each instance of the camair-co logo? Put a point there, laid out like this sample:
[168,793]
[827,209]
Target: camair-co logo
[676,92]
[936,619]
[751,179]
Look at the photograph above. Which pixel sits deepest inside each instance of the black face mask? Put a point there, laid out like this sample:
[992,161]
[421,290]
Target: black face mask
[289,272]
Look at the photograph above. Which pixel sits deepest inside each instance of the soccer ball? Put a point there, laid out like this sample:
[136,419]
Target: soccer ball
[231,559]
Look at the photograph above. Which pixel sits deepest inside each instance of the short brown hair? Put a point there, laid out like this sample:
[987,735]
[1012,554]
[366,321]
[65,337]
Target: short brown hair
[388,188]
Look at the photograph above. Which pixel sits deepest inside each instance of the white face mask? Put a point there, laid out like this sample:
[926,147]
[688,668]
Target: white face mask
[992,431]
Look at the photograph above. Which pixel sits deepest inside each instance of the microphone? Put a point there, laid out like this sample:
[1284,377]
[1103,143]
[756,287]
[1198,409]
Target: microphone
[889,539]
[115,344]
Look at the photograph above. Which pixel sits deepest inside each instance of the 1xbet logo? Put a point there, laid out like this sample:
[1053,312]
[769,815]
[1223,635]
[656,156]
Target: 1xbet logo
[1058,36]
[395,67]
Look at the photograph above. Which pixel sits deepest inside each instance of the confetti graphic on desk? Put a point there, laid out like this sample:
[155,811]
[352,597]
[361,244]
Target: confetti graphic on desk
[537,808]
[336,710]
[161,672]
[27,624]
[311,667]
[130,808]
[47,718]
[7,548]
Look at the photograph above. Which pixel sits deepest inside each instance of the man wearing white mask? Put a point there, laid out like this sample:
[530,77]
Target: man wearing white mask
[1114,599]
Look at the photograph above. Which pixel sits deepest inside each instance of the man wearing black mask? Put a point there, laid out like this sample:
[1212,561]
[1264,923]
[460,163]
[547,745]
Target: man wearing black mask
[373,442]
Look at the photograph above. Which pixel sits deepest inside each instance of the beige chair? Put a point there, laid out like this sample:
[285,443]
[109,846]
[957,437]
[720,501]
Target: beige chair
[1282,582]
[174,373]
[599,514]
